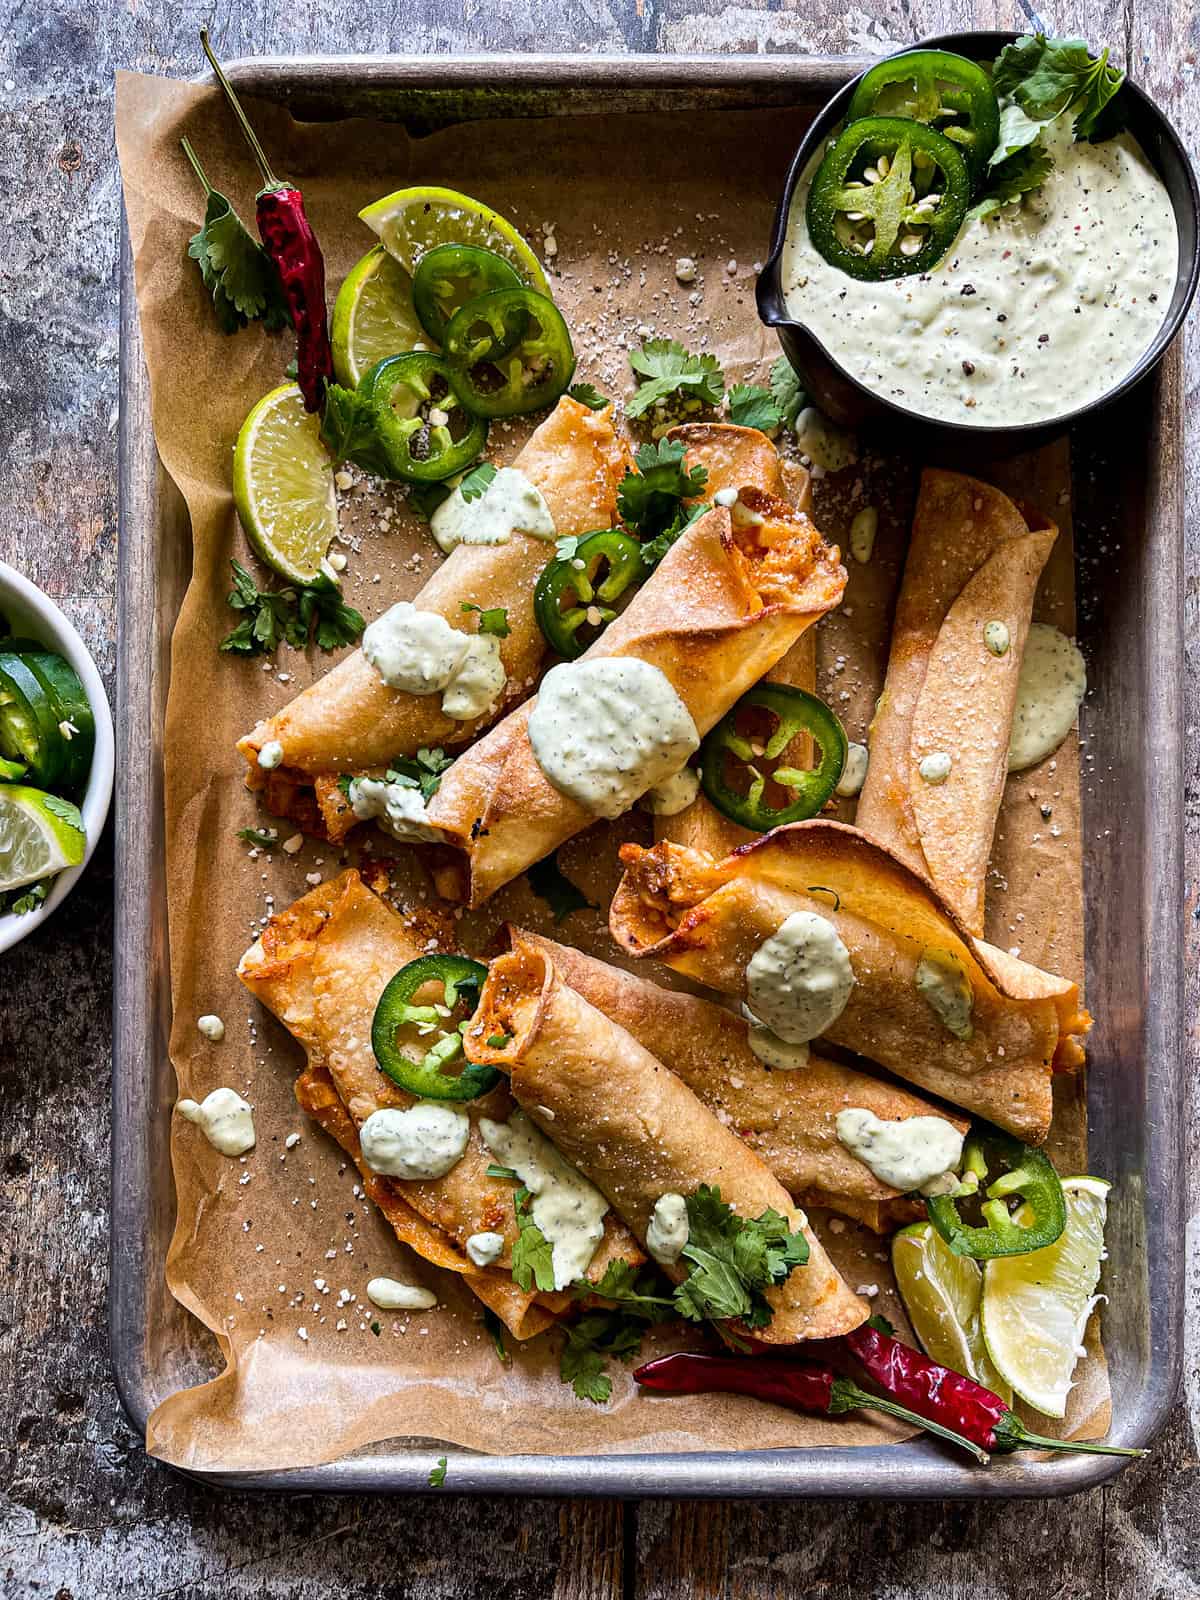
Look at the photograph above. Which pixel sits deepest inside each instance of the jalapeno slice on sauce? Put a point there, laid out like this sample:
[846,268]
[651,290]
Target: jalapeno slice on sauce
[1026,1173]
[450,275]
[941,89]
[744,742]
[431,1029]
[888,199]
[497,374]
[575,582]
[424,430]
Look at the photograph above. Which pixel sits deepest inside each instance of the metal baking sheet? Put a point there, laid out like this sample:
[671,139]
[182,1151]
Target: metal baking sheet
[1128,516]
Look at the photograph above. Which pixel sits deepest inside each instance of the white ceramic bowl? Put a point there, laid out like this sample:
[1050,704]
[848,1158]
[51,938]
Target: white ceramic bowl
[33,615]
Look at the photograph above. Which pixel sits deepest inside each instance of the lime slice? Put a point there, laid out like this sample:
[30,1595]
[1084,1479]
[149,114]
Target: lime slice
[1036,1306]
[39,834]
[283,485]
[373,316]
[412,221]
[941,1293]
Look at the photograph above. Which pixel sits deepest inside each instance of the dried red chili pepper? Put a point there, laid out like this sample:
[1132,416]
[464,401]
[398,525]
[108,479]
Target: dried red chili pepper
[942,1396]
[801,1385]
[292,245]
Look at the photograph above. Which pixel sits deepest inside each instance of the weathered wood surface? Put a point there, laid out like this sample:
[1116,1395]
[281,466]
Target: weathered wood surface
[83,1514]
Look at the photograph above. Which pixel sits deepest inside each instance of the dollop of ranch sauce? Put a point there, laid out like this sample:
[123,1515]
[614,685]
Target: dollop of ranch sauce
[935,767]
[667,1231]
[943,984]
[854,773]
[484,1248]
[1031,314]
[398,810]
[770,1049]
[997,637]
[226,1119]
[418,652]
[508,504]
[605,731]
[800,979]
[567,1208]
[389,1294]
[672,795]
[423,1141]
[1051,685]
[270,756]
[914,1153]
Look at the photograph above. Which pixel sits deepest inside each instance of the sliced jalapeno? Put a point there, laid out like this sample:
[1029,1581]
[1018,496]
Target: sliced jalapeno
[575,582]
[450,275]
[29,719]
[497,375]
[746,739]
[431,1029]
[1026,1173]
[423,431]
[936,87]
[76,723]
[888,200]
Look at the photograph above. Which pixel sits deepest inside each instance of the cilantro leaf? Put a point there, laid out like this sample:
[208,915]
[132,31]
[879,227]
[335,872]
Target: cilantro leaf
[588,395]
[640,1299]
[237,271]
[495,1332]
[292,614]
[582,1366]
[348,427]
[260,838]
[476,482]
[344,783]
[65,812]
[493,621]
[666,372]
[422,771]
[437,1474]
[532,1252]
[18,902]
[638,1290]
[1027,169]
[1016,132]
[550,884]
[786,392]
[655,549]
[752,406]
[566,547]
[733,1260]
[648,499]
[501,1172]
[1046,77]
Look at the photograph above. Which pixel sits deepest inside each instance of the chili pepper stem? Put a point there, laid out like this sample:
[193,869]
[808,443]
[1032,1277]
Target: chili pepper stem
[849,1394]
[194,163]
[1014,1435]
[270,181]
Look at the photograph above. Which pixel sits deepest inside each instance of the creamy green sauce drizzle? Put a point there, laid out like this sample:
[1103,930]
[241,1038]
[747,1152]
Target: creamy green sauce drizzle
[568,1209]
[945,988]
[799,980]
[1050,688]
[913,1153]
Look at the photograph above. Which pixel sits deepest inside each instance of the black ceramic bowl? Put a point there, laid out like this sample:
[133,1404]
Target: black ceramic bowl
[850,402]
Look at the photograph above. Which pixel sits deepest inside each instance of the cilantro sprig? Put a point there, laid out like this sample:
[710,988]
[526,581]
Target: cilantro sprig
[650,500]
[292,615]
[752,406]
[237,271]
[588,395]
[673,382]
[786,392]
[734,1259]
[532,1252]
[1039,79]
[422,771]
[477,481]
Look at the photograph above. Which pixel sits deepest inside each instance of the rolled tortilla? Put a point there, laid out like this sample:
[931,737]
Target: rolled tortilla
[707,918]
[719,611]
[743,458]
[321,966]
[974,558]
[786,1117]
[351,721]
[637,1131]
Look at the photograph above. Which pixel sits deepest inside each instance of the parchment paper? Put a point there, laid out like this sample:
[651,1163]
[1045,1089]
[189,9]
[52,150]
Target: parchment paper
[273,1252]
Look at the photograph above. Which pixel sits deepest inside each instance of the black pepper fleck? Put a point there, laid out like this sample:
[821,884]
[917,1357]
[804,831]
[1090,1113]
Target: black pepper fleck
[1043,338]
[967,288]
[1002,317]
[968,367]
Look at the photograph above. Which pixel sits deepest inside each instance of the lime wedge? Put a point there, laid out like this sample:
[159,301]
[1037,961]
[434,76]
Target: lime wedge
[412,221]
[373,316]
[941,1293]
[1036,1306]
[39,834]
[283,485]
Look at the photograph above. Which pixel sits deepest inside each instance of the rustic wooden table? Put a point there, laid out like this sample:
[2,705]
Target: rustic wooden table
[83,1514]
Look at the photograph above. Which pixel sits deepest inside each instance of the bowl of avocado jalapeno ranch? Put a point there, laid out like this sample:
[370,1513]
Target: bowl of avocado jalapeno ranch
[986,233]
